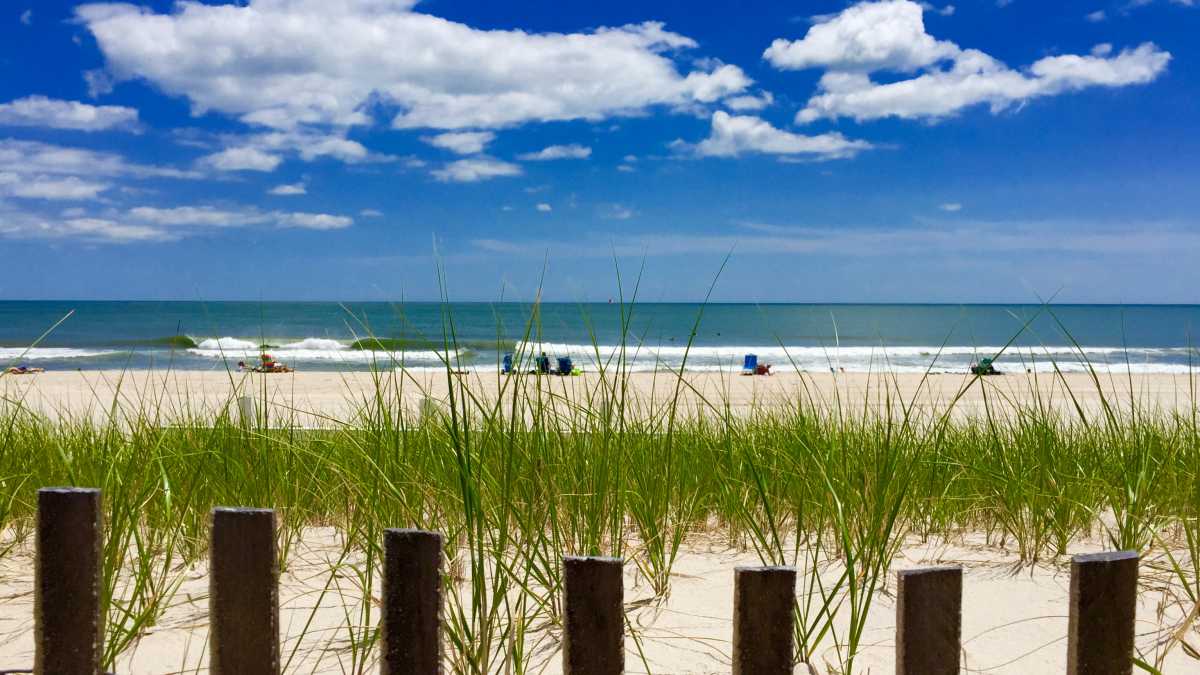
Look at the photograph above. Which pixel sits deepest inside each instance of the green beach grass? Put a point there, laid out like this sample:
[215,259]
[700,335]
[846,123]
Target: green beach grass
[516,481]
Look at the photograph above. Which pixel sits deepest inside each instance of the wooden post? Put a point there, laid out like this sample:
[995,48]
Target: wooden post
[594,639]
[929,621]
[68,628]
[412,603]
[243,593]
[763,620]
[1103,608]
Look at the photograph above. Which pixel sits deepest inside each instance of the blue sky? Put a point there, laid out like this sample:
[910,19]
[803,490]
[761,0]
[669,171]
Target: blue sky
[344,149]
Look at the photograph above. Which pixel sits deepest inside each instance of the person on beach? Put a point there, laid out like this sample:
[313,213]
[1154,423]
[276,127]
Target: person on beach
[23,370]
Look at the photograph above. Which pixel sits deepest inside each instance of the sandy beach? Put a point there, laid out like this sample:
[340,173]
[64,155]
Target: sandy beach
[330,398]
[1014,618]
[1015,615]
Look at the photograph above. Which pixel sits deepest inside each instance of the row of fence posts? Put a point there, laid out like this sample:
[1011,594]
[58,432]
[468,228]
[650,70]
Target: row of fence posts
[244,604]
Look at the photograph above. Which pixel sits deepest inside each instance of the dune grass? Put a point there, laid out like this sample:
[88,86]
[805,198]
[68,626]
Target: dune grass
[530,470]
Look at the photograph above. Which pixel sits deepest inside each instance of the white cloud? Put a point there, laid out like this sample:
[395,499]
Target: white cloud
[544,207]
[371,213]
[287,190]
[286,63]
[475,169]
[572,151]
[945,10]
[27,17]
[890,35]
[737,135]
[626,168]
[154,224]
[950,207]
[210,217]
[750,103]
[1097,16]
[40,111]
[99,82]
[74,226]
[313,221]
[244,158]
[49,187]
[461,142]
[33,158]
[110,230]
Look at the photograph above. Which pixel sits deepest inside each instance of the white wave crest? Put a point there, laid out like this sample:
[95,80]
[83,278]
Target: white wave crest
[8,354]
[217,344]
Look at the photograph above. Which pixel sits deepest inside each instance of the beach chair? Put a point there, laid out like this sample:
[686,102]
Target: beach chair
[564,365]
[542,363]
[508,360]
[750,365]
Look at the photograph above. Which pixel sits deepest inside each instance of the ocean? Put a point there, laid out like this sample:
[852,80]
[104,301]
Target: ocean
[810,337]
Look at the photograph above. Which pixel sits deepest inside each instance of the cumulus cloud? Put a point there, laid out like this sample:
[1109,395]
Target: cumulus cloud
[287,63]
[461,142]
[475,169]
[572,151]
[890,36]
[288,190]
[35,186]
[544,207]
[40,111]
[1096,16]
[732,136]
[750,103]
[242,159]
[950,207]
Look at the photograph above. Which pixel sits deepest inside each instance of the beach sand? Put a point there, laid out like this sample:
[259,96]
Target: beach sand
[1014,618]
[330,398]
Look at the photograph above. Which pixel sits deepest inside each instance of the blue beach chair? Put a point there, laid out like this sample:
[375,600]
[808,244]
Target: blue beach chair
[564,365]
[750,364]
[507,363]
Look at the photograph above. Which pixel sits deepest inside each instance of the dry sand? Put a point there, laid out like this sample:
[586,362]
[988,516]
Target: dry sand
[320,398]
[1014,619]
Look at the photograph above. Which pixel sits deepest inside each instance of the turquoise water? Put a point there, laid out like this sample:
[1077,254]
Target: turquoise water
[320,336]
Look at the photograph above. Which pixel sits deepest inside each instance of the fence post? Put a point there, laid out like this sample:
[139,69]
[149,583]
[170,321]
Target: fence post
[243,593]
[763,621]
[68,628]
[929,621]
[1103,608]
[594,639]
[412,603]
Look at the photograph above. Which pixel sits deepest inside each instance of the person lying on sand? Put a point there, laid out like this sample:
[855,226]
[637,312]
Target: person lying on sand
[23,370]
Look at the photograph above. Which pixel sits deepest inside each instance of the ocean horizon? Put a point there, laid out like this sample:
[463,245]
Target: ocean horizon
[810,337]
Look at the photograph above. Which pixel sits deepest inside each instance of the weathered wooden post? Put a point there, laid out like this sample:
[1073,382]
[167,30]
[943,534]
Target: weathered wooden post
[412,603]
[243,593]
[68,628]
[763,620]
[1103,609]
[929,621]
[594,639]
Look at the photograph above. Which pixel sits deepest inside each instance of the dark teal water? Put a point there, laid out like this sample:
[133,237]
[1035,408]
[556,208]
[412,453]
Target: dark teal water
[319,336]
